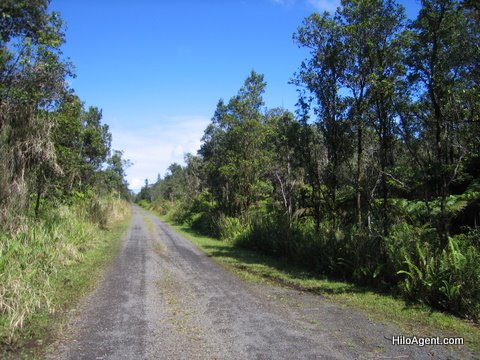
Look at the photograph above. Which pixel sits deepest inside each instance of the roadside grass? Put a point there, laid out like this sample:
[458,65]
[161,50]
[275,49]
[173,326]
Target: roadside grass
[66,265]
[411,319]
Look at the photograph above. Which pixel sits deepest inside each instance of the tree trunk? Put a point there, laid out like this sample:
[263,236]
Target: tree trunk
[359,174]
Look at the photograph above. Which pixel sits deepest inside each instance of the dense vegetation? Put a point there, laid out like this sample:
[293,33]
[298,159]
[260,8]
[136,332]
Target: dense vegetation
[60,182]
[375,179]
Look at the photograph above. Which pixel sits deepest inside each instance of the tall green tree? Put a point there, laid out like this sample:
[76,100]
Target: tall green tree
[370,29]
[444,72]
[32,84]
[232,148]
[284,163]
[353,74]
[323,75]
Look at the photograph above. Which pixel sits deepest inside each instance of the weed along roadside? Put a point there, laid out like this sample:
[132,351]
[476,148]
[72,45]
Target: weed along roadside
[50,266]
[416,320]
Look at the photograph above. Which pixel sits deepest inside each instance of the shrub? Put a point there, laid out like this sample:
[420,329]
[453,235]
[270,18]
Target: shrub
[231,228]
[448,279]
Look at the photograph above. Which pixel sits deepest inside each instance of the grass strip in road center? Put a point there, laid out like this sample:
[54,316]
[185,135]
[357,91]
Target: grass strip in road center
[157,244]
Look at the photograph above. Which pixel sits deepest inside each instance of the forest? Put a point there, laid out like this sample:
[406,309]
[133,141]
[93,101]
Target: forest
[62,186]
[375,178]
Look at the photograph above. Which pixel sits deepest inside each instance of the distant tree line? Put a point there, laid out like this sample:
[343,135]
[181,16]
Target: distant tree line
[51,147]
[376,178]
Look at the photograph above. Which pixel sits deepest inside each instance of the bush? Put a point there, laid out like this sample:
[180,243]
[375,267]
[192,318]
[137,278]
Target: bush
[448,279]
[204,217]
[206,223]
[180,212]
[144,204]
[200,213]
[230,228]
[274,234]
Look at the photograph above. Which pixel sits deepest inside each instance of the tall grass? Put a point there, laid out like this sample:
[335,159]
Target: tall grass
[32,256]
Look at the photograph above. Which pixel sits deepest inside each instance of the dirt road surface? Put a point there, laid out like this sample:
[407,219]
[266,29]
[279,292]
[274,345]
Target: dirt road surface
[164,299]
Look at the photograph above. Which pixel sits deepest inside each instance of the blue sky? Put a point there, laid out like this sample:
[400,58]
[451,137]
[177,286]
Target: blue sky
[158,68]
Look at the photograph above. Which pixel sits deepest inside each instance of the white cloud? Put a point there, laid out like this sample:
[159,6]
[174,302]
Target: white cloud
[136,183]
[325,5]
[154,147]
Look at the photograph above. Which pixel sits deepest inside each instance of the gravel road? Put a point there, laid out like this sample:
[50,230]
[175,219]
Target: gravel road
[164,299]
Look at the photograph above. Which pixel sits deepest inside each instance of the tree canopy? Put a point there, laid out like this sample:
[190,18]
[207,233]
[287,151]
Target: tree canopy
[50,146]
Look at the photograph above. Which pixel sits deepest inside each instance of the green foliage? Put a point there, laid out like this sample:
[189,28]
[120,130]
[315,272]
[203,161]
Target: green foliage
[31,258]
[33,83]
[99,211]
[114,175]
[230,228]
[145,204]
[180,212]
[50,146]
[232,149]
[205,217]
[446,279]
